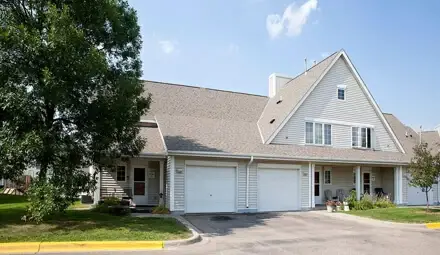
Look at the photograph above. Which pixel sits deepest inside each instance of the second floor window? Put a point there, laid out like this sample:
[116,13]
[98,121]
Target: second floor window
[361,137]
[318,133]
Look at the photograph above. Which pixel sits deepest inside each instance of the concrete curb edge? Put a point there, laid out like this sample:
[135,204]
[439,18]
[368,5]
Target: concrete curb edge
[196,237]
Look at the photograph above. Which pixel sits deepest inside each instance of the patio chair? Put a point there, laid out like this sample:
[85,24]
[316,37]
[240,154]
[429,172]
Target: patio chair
[340,193]
[379,192]
[329,196]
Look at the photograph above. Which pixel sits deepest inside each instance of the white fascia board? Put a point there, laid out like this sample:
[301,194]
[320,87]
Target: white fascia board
[284,122]
[370,97]
[281,158]
[161,135]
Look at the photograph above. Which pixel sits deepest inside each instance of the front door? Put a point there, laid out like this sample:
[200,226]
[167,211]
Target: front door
[366,176]
[317,187]
[140,186]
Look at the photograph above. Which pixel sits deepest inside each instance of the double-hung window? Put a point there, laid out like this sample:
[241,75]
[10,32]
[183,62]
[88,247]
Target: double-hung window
[120,173]
[361,137]
[328,176]
[318,133]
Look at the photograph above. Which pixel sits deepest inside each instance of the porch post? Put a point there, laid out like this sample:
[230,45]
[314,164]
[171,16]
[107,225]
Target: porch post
[161,183]
[172,171]
[358,182]
[97,192]
[310,185]
[313,185]
[398,185]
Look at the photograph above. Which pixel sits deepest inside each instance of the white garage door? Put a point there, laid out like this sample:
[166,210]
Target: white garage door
[210,189]
[417,197]
[278,190]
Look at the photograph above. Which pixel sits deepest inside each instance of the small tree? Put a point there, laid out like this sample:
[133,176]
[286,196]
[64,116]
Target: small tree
[424,169]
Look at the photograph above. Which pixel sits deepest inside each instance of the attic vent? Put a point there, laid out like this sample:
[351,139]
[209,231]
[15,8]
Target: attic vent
[272,121]
[279,101]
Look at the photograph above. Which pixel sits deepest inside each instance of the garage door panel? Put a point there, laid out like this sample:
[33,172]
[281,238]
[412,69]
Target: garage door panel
[210,189]
[418,197]
[278,190]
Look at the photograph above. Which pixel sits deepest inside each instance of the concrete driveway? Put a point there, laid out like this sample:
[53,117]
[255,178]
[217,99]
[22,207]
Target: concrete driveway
[303,233]
[307,233]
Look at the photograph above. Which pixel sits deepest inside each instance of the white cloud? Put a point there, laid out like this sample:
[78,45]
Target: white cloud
[168,47]
[293,19]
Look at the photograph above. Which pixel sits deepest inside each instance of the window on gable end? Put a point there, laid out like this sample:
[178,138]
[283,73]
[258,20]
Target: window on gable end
[341,92]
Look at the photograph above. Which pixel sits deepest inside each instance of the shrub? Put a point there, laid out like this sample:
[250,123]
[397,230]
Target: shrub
[365,203]
[161,209]
[351,199]
[383,202]
[45,199]
[112,205]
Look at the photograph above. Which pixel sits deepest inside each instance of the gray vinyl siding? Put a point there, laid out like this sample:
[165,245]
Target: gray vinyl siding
[179,185]
[112,188]
[341,178]
[405,180]
[253,186]
[322,103]
[388,181]
[153,187]
[305,187]
[435,195]
[167,181]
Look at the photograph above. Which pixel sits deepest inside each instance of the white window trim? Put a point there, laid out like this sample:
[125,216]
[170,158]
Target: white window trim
[344,88]
[125,173]
[359,131]
[337,122]
[328,169]
[323,133]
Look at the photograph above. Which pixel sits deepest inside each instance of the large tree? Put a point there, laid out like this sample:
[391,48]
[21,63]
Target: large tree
[424,169]
[70,89]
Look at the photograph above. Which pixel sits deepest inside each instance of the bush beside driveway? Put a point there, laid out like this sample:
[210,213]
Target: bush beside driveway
[83,225]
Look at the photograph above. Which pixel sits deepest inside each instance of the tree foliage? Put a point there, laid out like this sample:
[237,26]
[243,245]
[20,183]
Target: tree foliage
[424,169]
[70,94]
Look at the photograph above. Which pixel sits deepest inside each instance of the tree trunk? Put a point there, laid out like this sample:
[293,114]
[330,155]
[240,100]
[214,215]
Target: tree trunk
[427,200]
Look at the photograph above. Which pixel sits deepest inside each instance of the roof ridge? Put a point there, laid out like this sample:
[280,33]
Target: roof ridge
[198,87]
[294,78]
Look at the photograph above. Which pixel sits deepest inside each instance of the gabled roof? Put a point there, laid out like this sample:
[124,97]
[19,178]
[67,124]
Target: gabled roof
[291,93]
[410,138]
[433,140]
[406,135]
[295,92]
[195,121]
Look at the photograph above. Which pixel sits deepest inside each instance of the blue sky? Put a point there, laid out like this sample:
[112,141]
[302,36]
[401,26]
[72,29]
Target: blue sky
[236,44]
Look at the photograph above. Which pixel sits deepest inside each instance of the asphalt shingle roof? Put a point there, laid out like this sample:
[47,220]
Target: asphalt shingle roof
[291,94]
[194,119]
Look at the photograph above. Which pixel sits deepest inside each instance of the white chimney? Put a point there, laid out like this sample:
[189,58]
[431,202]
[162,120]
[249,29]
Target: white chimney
[305,64]
[438,129]
[276,82]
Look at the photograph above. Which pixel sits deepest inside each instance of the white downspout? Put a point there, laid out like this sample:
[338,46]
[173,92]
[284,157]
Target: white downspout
[247,181]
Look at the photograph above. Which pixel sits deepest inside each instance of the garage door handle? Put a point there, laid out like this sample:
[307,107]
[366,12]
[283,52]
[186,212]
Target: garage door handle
[210,195]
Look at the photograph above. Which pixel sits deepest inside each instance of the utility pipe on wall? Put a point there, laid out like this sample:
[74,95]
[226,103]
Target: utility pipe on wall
[247,181]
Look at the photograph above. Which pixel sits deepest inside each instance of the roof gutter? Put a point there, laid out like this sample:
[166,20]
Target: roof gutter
[282,158]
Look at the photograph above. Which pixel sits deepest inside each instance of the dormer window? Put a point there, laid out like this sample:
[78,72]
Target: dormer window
[341,92]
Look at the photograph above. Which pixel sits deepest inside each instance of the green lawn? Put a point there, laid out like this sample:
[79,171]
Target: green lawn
[82,225]
[407,214]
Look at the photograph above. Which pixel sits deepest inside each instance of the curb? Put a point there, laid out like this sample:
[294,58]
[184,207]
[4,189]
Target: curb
[196,237]
[433,225]
[36,247]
